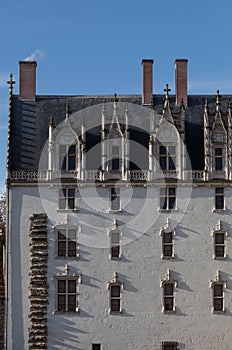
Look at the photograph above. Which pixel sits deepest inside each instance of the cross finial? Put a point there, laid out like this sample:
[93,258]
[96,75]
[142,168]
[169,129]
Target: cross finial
[218,103]
[167,91]
[11,82]
[115,98]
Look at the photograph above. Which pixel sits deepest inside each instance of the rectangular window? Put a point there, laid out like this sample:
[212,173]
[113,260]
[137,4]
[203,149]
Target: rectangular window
[167,157]
[219,198]
[67,243]
[218,297]
[115,158]
[67,295]
[96,346]
[67,198]
[114,198]
[218,156]
[169,345]
[115,298]
[167,198]
[67,157]
[167,244]
[168,290]
[219,245]
[115,244]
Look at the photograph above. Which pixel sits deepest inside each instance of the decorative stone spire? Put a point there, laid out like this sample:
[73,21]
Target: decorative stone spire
[218,128]
[67,111]
[218,103]
[115,125]
[229,134]
[166,108]
[11,83]
[103,115]
[206,138]
[51,121]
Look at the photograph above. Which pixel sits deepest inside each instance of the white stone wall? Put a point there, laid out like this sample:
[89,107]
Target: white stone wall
[141,325]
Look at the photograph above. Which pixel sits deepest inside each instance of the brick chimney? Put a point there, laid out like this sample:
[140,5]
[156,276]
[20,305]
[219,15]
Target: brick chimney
[27,80]
[181,81]
[147,81]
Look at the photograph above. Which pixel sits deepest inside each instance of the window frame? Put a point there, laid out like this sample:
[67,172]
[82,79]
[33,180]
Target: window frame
[99,346]
[63,277]
[219,245]
[166,197]
[219,193]
[67,199]
[115,198]
[115,244]
[168,157]
[168,296]
[217,281]
[67,228]
[165,244]
[218,158]
[66,156]
[169,345]
[119,285]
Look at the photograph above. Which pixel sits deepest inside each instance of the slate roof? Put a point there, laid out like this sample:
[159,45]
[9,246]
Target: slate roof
[30,120]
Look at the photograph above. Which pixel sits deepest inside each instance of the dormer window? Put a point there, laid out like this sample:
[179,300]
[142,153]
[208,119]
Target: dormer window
[218,158]
[67,157]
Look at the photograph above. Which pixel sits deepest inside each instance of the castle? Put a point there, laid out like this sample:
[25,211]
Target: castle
[119,218]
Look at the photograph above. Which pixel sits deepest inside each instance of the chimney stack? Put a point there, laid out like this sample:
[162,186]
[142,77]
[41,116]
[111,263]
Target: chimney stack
[147,82]
[27,80]
[181,81]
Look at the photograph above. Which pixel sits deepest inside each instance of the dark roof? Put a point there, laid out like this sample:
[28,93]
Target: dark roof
[30,120]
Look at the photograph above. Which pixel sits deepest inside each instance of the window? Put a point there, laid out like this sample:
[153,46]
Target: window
[115,244]
[167,158]
[218,156]
[115,289]
[115,298]
[169,345]
[67,243]
[114,198]
[96,346]
[219,245]
[115,158]
[219,198]
[67,198]
[167,198]
[218,297]
[66,295]
[168,296]
[167,238]
[67,157]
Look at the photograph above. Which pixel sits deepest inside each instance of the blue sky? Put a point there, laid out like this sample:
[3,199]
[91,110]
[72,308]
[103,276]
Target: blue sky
[96,46]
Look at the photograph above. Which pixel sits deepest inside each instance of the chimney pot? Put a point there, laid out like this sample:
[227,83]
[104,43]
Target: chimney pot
[27,80]
[181,81]
[147,95]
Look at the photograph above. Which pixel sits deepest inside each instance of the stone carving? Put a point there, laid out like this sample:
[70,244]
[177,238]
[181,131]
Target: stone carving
[38,282]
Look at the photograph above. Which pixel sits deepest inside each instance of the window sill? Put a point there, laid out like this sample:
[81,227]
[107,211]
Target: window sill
[219,210]
[171,312]
[115,312]
[115,211]
[219,312]
[167,257]
[115,258]
[67,210]
[219,257]
[77,257]
[56,312]
[167,210]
